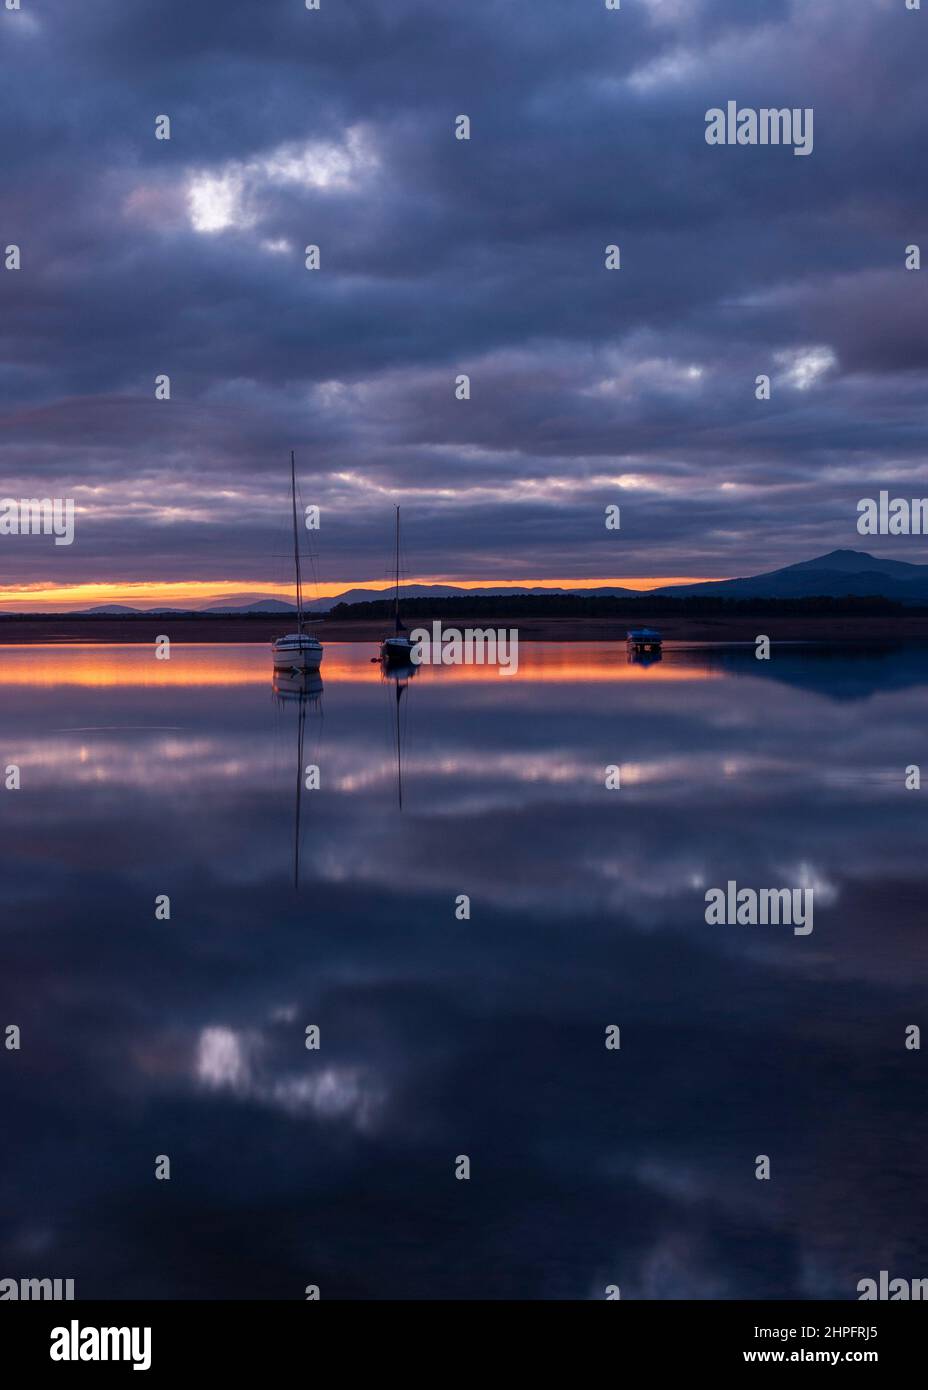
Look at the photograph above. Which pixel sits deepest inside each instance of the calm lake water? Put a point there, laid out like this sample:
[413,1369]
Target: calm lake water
[442,1037]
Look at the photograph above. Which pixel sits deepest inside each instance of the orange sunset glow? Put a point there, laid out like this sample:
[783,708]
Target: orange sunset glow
[181,593]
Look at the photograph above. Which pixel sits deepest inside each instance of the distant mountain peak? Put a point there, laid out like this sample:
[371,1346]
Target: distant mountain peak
[844,556]
[272,606]
[839,574]
[856,562]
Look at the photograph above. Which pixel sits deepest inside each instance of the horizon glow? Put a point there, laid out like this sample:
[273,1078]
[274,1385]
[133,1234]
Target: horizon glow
[203,593]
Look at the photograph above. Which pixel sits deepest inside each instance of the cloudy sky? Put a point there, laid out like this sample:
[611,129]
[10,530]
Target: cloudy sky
[440,257]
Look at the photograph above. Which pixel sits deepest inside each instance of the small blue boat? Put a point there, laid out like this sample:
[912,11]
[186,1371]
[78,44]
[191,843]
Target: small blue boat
[643,639]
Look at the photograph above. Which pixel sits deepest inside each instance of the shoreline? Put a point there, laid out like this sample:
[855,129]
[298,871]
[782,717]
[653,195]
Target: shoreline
[28,630]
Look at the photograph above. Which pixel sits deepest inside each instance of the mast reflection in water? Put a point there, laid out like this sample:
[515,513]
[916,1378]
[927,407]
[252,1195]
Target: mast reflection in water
[398,677]
[303,691]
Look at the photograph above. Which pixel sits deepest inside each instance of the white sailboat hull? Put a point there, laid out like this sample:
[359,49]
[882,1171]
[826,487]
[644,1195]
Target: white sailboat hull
[297,653]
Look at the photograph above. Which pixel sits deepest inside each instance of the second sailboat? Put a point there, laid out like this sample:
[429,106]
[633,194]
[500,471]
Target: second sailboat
[397,650]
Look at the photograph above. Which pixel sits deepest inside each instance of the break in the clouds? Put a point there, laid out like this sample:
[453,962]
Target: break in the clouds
[440,256]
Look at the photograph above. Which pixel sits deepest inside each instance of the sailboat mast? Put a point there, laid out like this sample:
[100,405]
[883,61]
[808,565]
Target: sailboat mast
[296,547]
[396,600]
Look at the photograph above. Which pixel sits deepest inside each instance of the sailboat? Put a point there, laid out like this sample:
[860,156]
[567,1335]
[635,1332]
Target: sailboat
[397,649]
[298,651]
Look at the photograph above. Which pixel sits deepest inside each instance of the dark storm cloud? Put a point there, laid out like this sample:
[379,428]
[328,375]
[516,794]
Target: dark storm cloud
[439,256]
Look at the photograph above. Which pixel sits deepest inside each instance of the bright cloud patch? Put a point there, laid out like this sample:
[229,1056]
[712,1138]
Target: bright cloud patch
[215,202]
[230,196]
[234,1062]
[803,367]
[650,374]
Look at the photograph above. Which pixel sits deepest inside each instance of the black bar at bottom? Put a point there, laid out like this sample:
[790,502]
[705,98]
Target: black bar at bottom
[445,1340]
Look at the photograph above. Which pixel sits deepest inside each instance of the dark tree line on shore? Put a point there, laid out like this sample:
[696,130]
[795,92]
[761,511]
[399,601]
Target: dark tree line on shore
[614,606]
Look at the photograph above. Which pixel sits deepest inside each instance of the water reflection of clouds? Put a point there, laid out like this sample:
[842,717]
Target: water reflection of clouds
[234,1062]
[484,1037]
[692,811]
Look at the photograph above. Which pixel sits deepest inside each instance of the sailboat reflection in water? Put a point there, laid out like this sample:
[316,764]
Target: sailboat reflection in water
[301,690]
[641,657]
[398,676]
